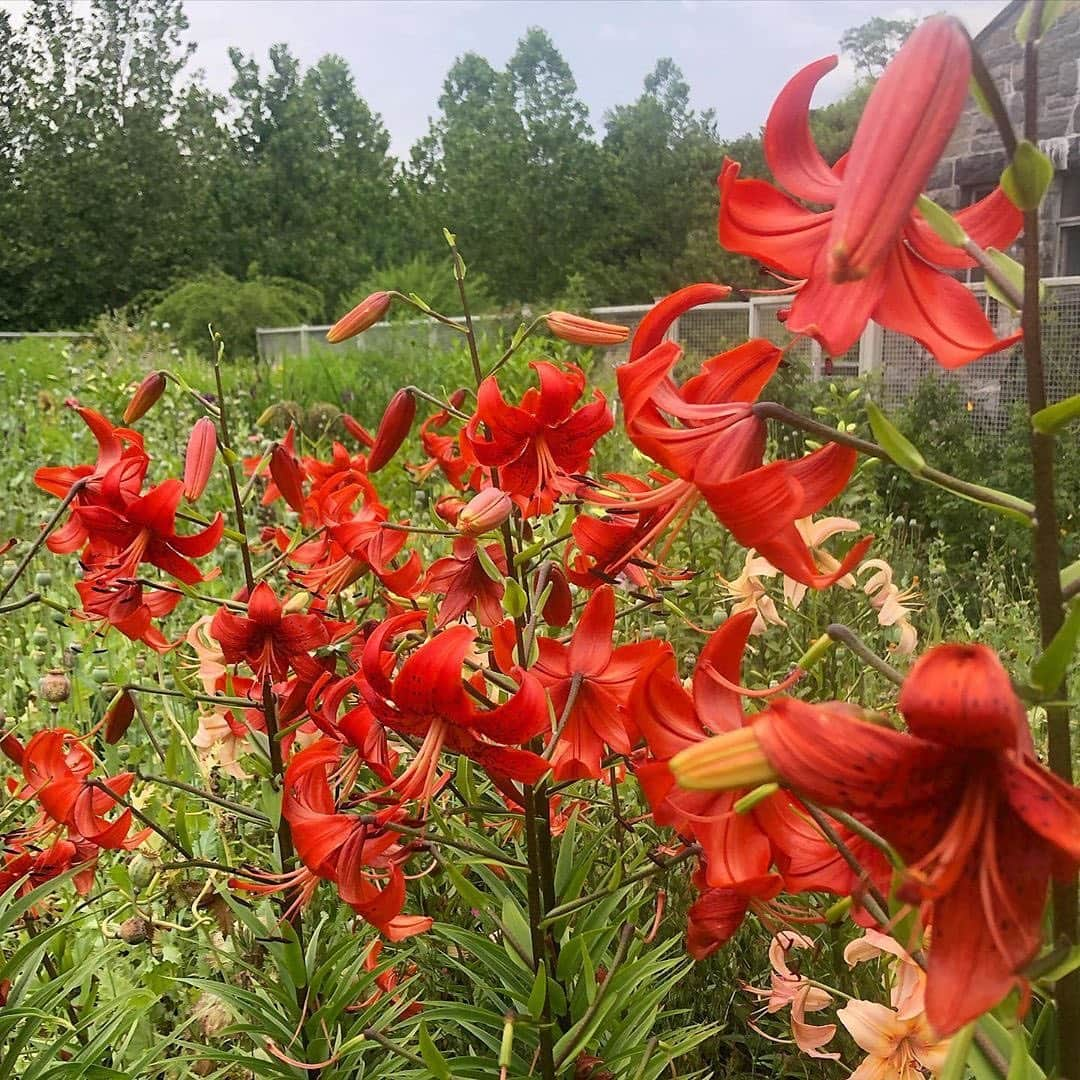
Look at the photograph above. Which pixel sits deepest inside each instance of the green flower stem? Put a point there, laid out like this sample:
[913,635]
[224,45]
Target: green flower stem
[42,536]
[850,640]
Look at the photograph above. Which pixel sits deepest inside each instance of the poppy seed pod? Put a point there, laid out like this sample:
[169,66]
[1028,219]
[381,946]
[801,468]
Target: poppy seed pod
[393,428]
[362,317]
[581,331]
[199,459]
[485,511]
[55,686]
[285,473]
[145,396]
[118,718]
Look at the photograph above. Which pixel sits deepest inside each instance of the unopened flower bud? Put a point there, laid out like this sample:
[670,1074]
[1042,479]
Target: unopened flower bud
[732,760]
[118,718]
[11,747]
[199,459]
[357,430]
[448,507]
[285,472]
[141,870]
[485,511]
[581,331]
[145,396]
[559,606]
[55,686]
[457,398]
[393,428]
[296,603]
[362,317]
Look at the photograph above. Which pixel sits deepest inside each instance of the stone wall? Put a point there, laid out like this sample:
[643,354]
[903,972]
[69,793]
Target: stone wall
[974,158]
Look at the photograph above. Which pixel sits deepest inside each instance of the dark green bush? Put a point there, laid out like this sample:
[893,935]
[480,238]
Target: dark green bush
[234,309]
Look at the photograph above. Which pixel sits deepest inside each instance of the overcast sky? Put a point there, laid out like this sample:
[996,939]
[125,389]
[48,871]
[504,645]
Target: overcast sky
[735,53]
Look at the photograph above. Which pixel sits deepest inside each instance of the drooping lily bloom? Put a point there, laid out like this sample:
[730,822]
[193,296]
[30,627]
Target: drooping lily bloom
[271,642]
[117,447]
[872,256]
[461,578]
[144,531]
[736,849]
[451,454]
[538,445]
[127,606]
[33,866]
[707,433]
[981,825]
[599,678]
[56,768]
[361,857]
[427,699]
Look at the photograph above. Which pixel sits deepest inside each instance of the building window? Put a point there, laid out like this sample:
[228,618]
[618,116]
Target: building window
[1068,251]
[971,195]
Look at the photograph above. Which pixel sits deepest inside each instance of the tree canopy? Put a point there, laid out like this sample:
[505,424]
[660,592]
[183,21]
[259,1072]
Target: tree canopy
[122,175]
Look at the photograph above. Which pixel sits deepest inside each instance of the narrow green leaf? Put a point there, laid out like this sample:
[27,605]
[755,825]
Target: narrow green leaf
[1020,1059]
[1028,176]
[955,1067]
[538,994]
[464,887]
[487,565]
[1056,416]
[1051,10]
[899,448]
[1048,671]
[433,1059]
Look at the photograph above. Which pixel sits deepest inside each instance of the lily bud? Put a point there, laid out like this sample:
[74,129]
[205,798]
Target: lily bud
[581,331]
[457,398]
[362,317]
[908,120]
[448,507]
[559,607]
[485,511]
[732,760]
[118,718]
[357,430]
[285,473]
[145,396]
[199,459]
[393,428]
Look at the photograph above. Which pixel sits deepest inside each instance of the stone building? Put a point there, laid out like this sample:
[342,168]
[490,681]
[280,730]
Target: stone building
[973,160]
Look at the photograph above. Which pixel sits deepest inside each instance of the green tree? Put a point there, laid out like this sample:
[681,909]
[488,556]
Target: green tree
[875,42]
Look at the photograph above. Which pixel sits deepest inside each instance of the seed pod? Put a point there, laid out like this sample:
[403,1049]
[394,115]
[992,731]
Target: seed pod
[55,686]
[135,931]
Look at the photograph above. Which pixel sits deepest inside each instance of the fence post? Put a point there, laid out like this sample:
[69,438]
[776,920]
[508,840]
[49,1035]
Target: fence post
[753,319]
[304,346]
[870,348]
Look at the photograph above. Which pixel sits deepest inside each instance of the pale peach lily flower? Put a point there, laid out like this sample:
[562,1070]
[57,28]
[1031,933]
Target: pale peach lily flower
[789,988]
[899,1043]
[219,743]
[749,593]
[893,605]
[815,533]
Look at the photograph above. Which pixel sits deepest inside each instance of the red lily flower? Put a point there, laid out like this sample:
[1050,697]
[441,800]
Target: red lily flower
[981,825]
[736,849]
[717,448]
[144,530]
[270,642]
[35,866]
[127,606]
[56,766]
[714,917]
[467,586]
[363,859]
[119,449]
[539,444]
[452,454]
[872,256]
[600,679]
[427,699]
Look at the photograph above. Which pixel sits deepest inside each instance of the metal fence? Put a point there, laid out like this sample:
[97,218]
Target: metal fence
[990,387]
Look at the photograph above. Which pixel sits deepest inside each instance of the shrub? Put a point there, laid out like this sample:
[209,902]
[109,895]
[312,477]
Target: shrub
[234,309]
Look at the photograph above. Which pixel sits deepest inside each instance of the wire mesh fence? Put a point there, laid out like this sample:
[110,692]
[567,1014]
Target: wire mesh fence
[989,387]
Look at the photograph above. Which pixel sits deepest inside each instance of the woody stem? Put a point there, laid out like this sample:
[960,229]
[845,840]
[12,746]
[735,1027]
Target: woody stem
[1047,553]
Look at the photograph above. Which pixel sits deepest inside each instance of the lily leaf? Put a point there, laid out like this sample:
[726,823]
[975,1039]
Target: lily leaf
[1048,671]
[1027,177]
[897,445]
[1056,416]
